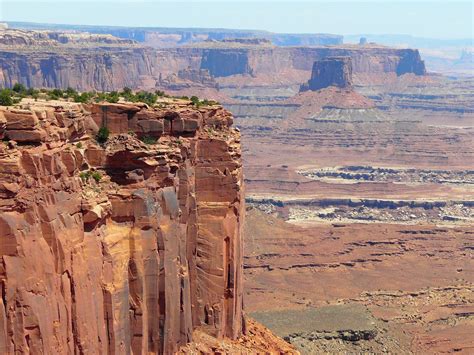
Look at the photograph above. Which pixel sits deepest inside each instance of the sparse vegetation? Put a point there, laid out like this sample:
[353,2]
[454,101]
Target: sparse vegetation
[103,135]
[146,97]
[19,88]
[79,145]
[6,97]
[56,94]
[195,100]
[148,140]
[86,175]
[97,176]
[14,95]
[210,131]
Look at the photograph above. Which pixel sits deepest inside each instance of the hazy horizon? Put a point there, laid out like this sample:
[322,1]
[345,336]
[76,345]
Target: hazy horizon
[427,19]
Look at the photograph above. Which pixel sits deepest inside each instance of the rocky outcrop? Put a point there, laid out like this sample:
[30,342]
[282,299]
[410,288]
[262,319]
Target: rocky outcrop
[331,71]
[124,247]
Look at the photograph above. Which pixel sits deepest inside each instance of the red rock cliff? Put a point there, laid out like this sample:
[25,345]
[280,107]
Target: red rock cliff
[121,248]
[86,63]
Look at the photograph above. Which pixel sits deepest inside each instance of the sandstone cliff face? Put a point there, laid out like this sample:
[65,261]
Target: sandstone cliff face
[226,63]
[89,65]
[85,70]
[132,262]
[331,71]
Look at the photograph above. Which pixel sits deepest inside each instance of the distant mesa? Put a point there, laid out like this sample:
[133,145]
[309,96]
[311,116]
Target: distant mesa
[363,41]
[330,71]
[245,41]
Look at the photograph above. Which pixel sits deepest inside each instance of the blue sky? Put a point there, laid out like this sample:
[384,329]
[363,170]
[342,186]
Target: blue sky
[439,19]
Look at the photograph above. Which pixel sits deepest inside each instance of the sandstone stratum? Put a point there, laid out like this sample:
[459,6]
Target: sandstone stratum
[99,62]
[127,243]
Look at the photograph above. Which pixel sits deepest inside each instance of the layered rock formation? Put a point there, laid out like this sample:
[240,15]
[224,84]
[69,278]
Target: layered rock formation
[124,247]
[165,37]
[53,38]
[331,71]
[114,65]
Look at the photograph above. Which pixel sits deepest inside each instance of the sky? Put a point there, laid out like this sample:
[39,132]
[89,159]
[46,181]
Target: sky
[422,18]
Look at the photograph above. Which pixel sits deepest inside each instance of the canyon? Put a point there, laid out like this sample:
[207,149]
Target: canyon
[357,234]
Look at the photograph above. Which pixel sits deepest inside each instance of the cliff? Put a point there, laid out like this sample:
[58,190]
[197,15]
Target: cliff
[86,64]
[168,37]
[331,71]
[121,247]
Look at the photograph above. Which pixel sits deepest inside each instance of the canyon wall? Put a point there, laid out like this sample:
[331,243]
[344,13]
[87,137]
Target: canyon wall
[122,247]
[85,70]
[89,65]
[166,37]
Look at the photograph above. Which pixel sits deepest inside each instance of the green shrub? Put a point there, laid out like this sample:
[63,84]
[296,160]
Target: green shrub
[160,93]
[70,92]
[83,98]
[97,176]
[112,97]
[146,97]
[32,92]
[103,134]
[56,94]
[19,88]
[79,145]
[195,100]
[148,140]
[6,97]
[85,175]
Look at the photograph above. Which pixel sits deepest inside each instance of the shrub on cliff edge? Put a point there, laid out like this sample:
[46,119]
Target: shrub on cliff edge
[103,134]
[6,97]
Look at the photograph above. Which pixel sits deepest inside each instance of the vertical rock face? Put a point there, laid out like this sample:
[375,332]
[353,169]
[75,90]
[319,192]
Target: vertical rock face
[410,62]
[226,63]
[121,248]
[331,71]
[104,63]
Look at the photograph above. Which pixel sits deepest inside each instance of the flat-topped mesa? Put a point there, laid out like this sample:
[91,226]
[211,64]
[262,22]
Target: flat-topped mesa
[331,71]
[125,246]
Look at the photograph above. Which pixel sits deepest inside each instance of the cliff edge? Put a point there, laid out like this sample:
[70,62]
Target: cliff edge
[124,246]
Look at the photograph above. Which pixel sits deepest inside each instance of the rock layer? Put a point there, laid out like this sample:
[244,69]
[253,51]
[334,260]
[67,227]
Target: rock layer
[115,64]
[123,247]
